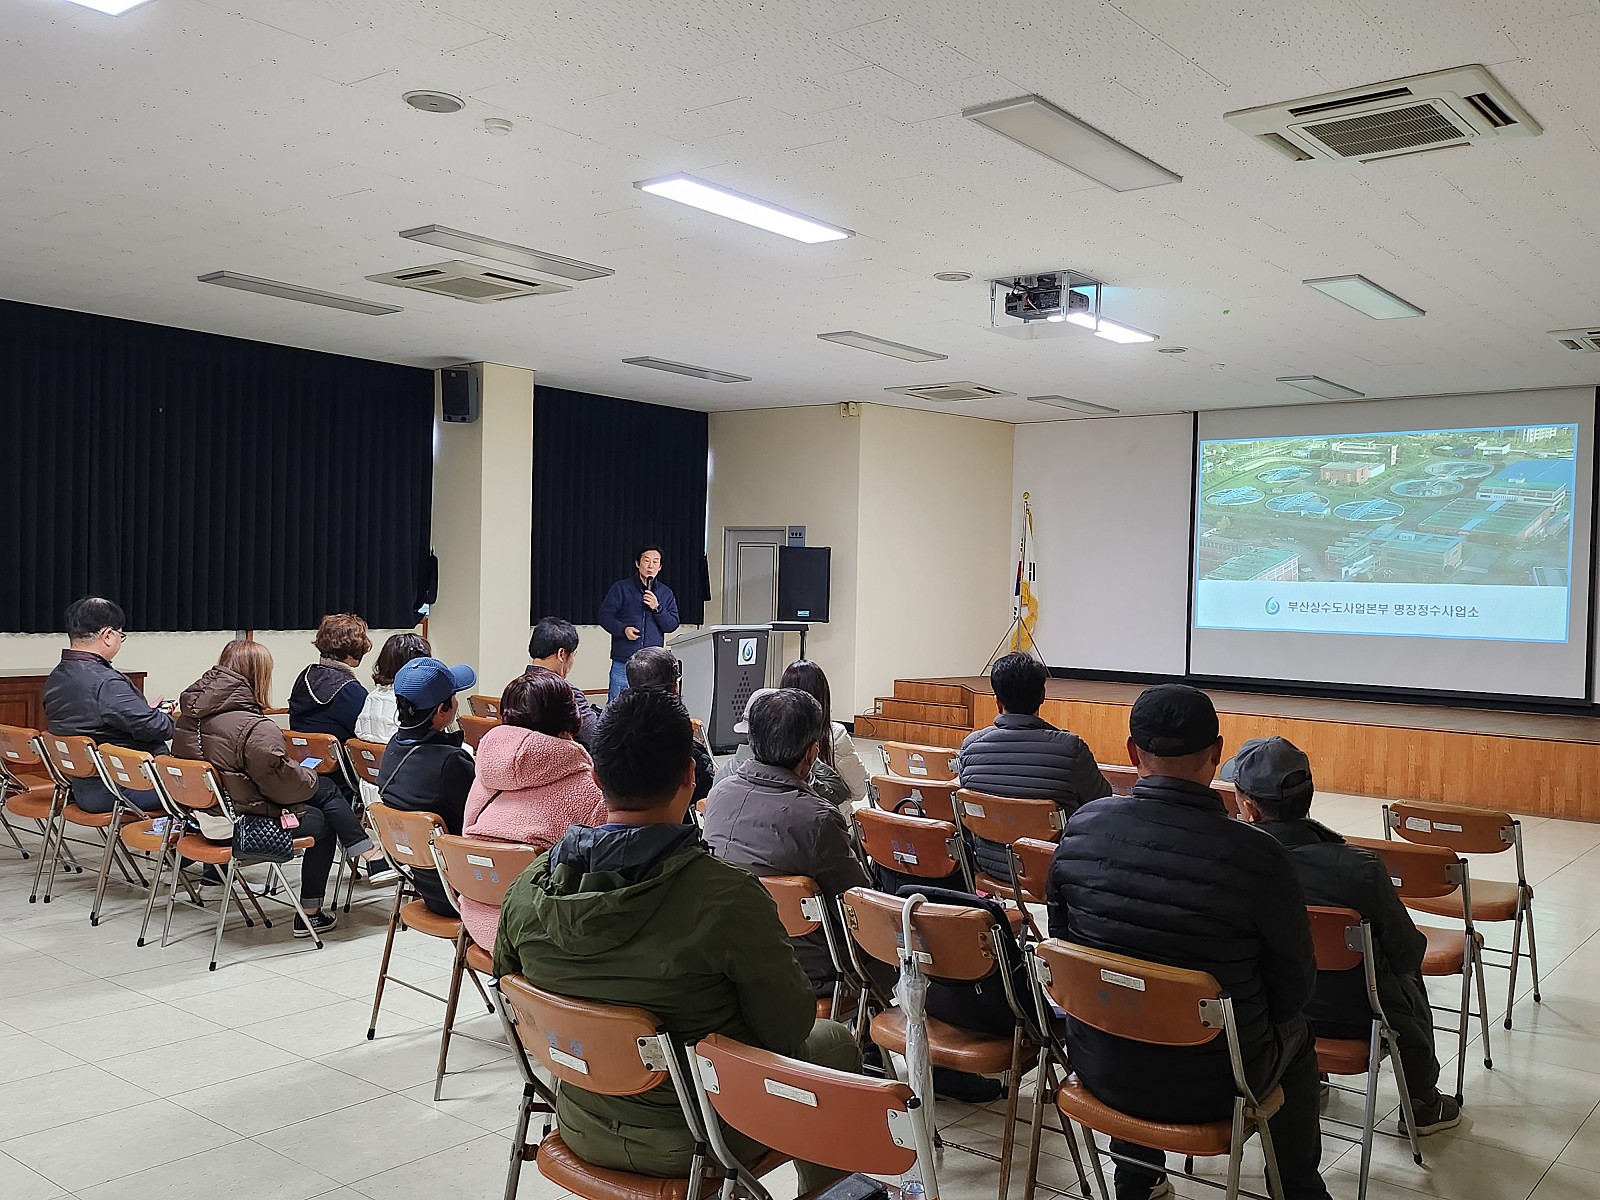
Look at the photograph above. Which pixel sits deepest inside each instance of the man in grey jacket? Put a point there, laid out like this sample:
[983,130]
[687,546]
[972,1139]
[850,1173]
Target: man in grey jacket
[1024,757]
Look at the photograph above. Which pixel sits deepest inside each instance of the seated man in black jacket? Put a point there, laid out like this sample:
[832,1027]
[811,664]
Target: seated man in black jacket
[1024,757]
[85,696]
[1273,778]
[655,668]
[552,647]
[1165,874]
[425,768]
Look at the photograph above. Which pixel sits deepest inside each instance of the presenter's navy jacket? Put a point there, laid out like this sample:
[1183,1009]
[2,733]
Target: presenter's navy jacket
[624,606]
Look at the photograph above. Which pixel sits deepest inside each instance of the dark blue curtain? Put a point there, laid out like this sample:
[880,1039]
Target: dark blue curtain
[610,475]
[206,482]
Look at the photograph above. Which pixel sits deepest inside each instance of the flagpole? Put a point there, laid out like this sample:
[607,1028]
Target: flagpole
[1024,604]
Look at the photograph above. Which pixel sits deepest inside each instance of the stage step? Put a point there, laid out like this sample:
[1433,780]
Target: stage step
[925,711]
[886,729]
[931,693]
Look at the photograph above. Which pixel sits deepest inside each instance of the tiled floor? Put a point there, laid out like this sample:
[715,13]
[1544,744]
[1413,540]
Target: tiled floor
[130,1072]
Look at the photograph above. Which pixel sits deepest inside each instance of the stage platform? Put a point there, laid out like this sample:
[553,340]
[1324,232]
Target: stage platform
[1522,762]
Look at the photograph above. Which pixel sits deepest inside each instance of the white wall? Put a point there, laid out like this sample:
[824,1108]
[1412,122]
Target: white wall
[1111,538]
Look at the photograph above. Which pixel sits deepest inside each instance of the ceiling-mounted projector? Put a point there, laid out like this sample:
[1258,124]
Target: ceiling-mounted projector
[1047,297]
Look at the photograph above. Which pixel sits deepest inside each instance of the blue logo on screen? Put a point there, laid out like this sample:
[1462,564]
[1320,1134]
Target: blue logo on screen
[1272,607]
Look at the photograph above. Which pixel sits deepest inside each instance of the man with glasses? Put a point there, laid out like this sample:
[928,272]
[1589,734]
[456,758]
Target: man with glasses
[85,696]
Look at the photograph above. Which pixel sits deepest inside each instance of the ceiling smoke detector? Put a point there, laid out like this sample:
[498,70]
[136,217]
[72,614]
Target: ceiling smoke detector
[952,276]
[496,126]
[424,100]
[472,282]
[1172,349]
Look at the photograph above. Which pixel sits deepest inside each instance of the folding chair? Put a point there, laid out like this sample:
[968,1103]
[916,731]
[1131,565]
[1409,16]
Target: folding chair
[956,944]
[1429,873]
[365,758]
[473,729]
[480,872]
[405,838]
[907,760]
[831,1118]
[1030,869]
[1342,941]
[1003,820]
[1122,777]
[1157,1005]
[926,798]
[610,1050]
[1475,831]
[803,909]
[137,833]
[191,789]
[918,846]
[325,754]
[484,706]
[25,792]
[66,759]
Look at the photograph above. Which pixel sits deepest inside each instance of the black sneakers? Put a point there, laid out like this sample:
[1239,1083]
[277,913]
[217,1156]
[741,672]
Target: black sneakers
[320,921]
[381,871]
[1443,1113]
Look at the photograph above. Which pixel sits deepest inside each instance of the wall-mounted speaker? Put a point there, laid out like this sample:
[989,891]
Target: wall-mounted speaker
[461,392]
[804,577]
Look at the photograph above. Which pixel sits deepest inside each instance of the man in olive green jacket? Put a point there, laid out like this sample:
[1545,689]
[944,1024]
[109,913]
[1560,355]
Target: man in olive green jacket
[638,912]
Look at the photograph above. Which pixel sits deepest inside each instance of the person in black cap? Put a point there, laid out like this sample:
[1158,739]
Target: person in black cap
[1165,874]
[1275,786]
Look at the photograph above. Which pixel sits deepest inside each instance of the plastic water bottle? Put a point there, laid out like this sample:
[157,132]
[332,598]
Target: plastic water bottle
[911,1189]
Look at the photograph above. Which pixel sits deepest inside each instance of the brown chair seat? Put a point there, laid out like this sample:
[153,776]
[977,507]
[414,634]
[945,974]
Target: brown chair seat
[479,959]
[417,915]
[561,1166]
[949,1046]
[202,850]
[1491,901]
[1203,1141]
[1447,950]
[34,804]
[138,836]
[77,816]
[1343,1056]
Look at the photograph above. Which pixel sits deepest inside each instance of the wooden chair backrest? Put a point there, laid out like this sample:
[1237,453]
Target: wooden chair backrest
[125,767]
[323,747]
[484,706]
[1419,872]
[797,898]
[936,798]
[835,1118]
[1129,997]
[473,728]
[404,836]
[366,758]
[1464,830]
[910,845]
[1004,820]
[911,761]
[73,757]
[190,783]
[1331,937]
[591,1046]
[16,746]
[480,870]
[953,940]
[1120,776]
[1032,858]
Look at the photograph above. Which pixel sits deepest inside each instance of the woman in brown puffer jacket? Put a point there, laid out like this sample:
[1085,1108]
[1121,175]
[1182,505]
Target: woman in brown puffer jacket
[222,720]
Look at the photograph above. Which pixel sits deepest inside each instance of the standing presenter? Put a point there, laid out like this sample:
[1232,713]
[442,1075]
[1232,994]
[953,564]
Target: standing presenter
[638,611]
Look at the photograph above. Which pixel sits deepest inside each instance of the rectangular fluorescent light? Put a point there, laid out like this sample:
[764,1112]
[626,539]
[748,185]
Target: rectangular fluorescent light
[1067,402]
[506,252]
[678,368]
[1114,331]
[1318,386]
[1034,122]
[289,291]
[861,341]
[113,8]
[1361,294]
[697,193]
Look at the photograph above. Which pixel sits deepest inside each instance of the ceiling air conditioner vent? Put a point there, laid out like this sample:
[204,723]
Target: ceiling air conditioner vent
[1463,106]
[1578,339]
[950,393]
[471,282]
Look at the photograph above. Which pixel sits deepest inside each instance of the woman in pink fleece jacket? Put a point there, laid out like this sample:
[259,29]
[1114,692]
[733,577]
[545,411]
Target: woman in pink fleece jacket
[533,782]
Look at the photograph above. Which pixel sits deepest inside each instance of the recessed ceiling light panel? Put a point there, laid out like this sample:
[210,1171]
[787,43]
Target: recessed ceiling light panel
[1361,294]
[709,197]
[678,368]
[506,252]
[1318,386]
[861,341]
[290,291]
[112,8]
[1071,405]
[1034,122]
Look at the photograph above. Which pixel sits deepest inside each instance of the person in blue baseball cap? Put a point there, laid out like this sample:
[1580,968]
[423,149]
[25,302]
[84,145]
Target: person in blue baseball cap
[425,767]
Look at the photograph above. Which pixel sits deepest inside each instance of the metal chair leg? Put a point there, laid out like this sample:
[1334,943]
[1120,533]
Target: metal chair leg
[1270,1154]
[1008,1140]
[458,967]
[222,911]
[519,1144]
[12,833]
[47,829]
[478,983]
[1370,1113]
[383,964]
[1406,1112]
[1483,1001]
[169,849]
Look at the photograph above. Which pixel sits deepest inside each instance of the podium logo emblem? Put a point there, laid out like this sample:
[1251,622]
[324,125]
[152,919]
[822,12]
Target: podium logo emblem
[747,652]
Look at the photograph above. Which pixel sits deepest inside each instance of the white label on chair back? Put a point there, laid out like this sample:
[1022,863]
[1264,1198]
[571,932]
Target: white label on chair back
[916,794]
[905,856]
[570,1061]
[1447,828]
[1397,881]
[1419,824]
[967,806]
[798,1095]
[402,848]
[917,765]
[480,860]
[1121,980]
[176,772]
[123,776]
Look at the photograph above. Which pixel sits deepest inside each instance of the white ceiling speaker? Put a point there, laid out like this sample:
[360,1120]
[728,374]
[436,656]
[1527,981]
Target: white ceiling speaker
[1578,339]
[428,101]
[472,282]
[1463,106]
[950,393]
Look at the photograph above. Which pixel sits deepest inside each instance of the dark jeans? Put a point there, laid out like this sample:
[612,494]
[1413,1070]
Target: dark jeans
[329,819]
[431,889]
[1296,1129]
[93,797]
[1405,1003]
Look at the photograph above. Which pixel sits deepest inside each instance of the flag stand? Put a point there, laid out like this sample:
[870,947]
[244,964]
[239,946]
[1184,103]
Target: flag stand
[1024,604]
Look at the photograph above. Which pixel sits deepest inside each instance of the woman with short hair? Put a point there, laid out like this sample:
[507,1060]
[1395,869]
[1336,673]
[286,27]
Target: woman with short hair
[839,749]
[327,697]
[378,721]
